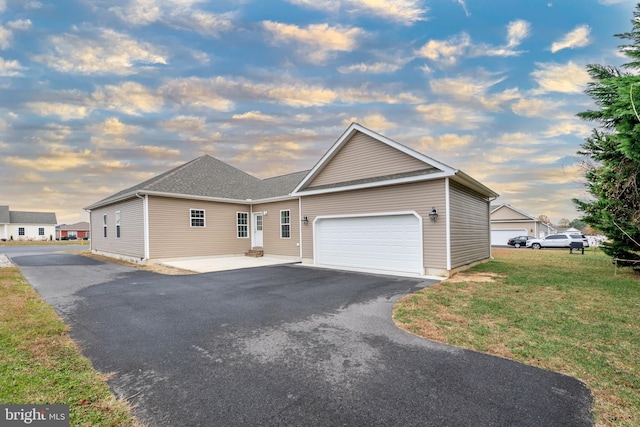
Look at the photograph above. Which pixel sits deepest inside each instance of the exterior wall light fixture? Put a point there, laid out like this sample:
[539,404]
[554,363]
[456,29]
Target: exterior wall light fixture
[305,220]
[433,215]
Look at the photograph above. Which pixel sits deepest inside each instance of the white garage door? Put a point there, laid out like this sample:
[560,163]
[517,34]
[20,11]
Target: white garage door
[500,237]
[386,242]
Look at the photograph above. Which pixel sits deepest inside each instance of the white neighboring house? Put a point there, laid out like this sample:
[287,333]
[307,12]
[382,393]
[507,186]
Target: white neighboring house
[21,225]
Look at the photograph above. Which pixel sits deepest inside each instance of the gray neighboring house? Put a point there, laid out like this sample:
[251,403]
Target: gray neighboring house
[508,222]
[368,203]
[22,225]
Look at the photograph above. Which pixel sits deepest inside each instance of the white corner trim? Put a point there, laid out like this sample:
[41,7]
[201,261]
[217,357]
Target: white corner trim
[145,210]
[447,203]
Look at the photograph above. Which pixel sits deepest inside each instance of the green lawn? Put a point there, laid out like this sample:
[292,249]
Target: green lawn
[40,364]
[573,314]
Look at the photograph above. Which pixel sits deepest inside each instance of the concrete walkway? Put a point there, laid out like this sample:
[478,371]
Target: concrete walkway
[206,265]
[4,261]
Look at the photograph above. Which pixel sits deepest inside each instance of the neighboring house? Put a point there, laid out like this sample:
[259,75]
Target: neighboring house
[369,202]
[508,222]
[79,230]
[20,225]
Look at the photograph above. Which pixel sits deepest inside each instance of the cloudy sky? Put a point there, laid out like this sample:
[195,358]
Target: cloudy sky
[98,95]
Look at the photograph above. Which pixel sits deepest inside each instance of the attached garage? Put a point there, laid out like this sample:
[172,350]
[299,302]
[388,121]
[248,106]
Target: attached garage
[500,237]
[390,242]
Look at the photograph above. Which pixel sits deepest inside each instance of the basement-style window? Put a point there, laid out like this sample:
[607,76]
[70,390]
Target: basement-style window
[242,222]
[285,224]
[197,218]
[104,225]
[117,224]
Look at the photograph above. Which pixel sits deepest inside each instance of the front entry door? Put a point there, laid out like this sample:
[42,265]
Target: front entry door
[257,230]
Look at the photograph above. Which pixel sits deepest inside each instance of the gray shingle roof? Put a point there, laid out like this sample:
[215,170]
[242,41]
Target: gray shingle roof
[207,176]
[21,217]
[4,215]
[83,225]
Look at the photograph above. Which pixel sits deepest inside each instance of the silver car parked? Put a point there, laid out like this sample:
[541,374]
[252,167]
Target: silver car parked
[560,240]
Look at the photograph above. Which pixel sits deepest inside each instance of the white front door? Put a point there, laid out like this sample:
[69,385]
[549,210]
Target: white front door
[257,230]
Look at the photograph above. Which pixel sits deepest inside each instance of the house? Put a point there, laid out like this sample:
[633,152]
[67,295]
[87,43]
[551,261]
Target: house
[20,225]
[369,202]
[508,222]
[79,230]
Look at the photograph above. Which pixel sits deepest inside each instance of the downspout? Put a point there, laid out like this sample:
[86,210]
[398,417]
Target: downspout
[300,225]
[145,215]
[490,199]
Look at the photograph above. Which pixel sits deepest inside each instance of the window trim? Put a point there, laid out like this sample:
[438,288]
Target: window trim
[245,226]
[192,218]
[287,224]
[118,224]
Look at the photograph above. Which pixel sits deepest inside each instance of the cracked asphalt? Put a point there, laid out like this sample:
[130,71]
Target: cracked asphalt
[285,346]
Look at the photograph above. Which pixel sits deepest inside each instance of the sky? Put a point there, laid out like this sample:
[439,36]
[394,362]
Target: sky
[99,95]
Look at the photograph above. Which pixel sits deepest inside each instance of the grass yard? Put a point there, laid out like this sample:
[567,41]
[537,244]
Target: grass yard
[43,242]
[546,308]
[40,364]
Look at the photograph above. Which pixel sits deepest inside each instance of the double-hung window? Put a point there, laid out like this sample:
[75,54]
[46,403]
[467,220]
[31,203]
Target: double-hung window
[20,231]
[285,224]
[242,222]
[197,218]
[104,225]
[41,231]
[117,224]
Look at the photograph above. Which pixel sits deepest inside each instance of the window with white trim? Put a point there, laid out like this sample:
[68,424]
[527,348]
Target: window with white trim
[20,231]
[104,225]
[117,224]
[285,224]
[41,231]
[242,222]
[197,217]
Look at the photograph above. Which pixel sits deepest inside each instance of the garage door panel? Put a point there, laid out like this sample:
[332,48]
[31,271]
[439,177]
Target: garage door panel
[500,237]
[389,242]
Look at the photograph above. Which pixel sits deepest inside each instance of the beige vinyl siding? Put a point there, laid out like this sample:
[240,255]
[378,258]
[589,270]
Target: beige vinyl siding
[171,234]
[470,235]
[505,213]
[273,244]
[420,197]
[131,241]
[364,157]
[519,225]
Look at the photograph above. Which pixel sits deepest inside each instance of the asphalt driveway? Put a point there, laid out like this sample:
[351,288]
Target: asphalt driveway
[285,345]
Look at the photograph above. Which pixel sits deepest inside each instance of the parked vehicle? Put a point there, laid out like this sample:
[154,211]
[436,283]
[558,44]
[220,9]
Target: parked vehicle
[561,240]
[518,241]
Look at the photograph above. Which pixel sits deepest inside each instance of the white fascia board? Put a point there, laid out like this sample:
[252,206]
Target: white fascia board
[470,182]
[508,206]
[374,184]
[192,197]
[347,134]
[273,199]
